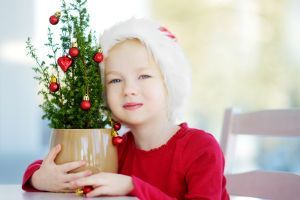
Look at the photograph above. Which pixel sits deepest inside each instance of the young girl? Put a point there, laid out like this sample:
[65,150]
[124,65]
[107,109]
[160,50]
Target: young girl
[146,80]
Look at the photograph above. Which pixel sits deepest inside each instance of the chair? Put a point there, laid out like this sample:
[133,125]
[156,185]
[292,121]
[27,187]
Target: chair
[260,184]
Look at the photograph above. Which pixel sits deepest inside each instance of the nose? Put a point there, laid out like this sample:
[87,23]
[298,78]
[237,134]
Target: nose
[130,88]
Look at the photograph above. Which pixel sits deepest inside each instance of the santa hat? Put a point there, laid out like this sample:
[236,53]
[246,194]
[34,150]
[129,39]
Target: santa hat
[164,47]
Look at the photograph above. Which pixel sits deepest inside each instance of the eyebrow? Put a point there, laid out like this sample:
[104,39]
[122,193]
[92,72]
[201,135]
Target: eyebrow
[144,69]
[139,70]
[112,72]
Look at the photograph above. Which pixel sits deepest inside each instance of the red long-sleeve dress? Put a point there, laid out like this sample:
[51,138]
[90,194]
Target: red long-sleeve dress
[189,166]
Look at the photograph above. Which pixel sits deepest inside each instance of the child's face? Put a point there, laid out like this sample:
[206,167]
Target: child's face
[135,89]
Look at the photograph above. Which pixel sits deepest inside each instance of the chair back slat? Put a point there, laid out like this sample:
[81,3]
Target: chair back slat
[263,184]
[260,184]
[270,122]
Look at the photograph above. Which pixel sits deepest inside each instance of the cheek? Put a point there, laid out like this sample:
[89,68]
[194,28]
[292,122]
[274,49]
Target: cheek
[110,97]
[157,93]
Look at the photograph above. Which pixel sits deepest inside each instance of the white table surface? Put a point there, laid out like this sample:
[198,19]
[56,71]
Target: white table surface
[15,192]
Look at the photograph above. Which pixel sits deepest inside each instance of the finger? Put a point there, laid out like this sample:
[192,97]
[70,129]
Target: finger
[90,180]
[72,165]
[67,188]
[99,191]
[53,153]
[70,186]
[75,176]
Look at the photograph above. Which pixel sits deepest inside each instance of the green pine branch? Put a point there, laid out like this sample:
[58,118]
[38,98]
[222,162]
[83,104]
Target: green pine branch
[62,108]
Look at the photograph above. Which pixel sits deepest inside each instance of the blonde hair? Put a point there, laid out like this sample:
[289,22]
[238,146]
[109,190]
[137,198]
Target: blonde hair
[166,52]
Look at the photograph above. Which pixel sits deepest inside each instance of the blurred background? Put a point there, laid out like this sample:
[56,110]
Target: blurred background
[243,53]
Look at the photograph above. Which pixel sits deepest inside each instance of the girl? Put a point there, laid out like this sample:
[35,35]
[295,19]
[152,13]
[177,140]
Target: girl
[146,80]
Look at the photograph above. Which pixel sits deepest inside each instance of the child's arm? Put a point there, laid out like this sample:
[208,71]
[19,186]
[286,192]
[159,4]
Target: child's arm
[144,190]
[204,169]
[33,167]
[118,184]
[47,176]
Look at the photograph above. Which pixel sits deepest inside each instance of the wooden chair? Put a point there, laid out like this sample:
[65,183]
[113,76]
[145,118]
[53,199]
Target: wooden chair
[260,184]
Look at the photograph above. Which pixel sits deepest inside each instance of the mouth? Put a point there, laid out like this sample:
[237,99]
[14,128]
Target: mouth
[132,106]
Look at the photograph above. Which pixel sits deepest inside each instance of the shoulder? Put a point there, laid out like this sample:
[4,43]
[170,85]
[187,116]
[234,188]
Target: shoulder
[199,140]
[198,144]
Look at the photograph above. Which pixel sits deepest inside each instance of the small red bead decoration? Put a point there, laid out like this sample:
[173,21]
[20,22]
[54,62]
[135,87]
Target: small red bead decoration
[117,126]
[98,57]
[83,191]
[86,104]
[87,189]
[74,51]
[64,62]
[53,86]
[116,139]
[54,19]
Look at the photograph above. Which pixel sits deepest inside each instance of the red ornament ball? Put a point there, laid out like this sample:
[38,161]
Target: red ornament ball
[74,51]
[117,126]
[87,189]
[53,87]
[98,57]
[53,20]
[85,105]
[117,140]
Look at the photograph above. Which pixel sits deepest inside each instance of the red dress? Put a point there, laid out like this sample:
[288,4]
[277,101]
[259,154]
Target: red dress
[189,166]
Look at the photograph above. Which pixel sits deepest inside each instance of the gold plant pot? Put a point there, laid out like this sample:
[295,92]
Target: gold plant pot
[92,145]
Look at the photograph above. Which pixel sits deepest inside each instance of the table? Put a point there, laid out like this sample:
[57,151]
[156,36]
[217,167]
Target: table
[15,192]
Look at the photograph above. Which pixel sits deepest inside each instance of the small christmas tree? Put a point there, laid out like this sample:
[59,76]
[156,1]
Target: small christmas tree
[71,82]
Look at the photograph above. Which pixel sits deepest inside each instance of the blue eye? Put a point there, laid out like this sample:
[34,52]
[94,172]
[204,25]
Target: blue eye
[114,81]
[144,76]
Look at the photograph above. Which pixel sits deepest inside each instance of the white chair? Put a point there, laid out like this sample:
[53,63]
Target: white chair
[260,184]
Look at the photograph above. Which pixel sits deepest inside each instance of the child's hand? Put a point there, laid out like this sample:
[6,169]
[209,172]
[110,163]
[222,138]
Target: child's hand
[55,178]
[106,184]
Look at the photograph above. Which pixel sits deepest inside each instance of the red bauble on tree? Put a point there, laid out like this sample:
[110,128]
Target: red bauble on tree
[86,104]
[54,19]
[98,57]
[53,86]
[64,62]
[74,51]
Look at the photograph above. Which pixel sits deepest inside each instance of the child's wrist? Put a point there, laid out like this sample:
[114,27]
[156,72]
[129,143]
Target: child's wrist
[33,180]
[130,185]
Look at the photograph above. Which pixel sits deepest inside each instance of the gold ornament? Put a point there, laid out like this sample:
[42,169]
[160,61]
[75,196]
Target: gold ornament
[79,192]
[74,44]
[53,79]
[58,14]
[86,98]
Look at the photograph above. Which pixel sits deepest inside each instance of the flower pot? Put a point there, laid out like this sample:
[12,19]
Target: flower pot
[92,145]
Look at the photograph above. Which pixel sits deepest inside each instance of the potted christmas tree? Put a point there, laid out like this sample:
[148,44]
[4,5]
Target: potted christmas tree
[71,88]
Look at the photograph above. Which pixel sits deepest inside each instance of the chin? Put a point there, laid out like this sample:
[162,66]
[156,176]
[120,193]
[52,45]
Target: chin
[132,122]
